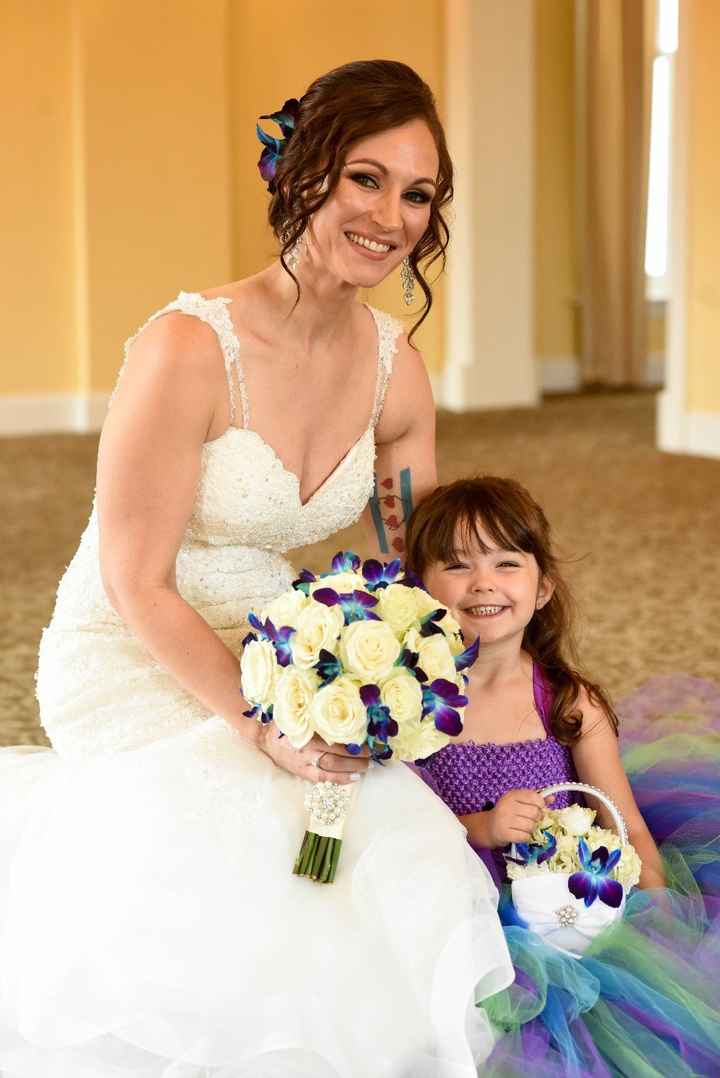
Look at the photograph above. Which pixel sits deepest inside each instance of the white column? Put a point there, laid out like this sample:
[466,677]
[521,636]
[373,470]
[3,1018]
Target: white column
[489,357]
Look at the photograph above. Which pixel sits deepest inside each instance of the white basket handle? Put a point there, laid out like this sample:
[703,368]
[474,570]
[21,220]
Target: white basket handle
[583,788]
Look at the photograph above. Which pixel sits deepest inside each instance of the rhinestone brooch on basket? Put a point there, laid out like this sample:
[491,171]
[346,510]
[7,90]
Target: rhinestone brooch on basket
[567,916]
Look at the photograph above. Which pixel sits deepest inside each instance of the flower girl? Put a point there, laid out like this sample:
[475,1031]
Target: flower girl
[639,1000]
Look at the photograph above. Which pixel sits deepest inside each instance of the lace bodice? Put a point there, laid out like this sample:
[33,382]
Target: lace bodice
[247,511]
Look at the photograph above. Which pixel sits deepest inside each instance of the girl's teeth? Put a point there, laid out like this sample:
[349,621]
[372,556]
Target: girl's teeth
[381,248]
[484,611]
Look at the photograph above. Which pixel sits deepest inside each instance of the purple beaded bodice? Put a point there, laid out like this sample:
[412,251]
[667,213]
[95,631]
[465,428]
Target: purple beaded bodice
[470,777]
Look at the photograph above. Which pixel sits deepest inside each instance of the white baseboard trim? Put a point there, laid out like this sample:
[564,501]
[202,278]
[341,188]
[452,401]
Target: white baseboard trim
[52,413]
[559,374]
[679,431]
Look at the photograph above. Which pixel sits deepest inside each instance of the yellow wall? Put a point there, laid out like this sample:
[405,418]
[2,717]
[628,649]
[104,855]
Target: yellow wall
[273,59]
[703,194]
[137,167]
[556,278]
[36,280]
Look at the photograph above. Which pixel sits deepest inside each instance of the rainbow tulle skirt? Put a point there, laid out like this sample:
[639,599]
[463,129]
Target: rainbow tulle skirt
[644,1001]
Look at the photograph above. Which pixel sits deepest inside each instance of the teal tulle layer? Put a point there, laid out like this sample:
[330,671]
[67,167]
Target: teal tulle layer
[644,1000]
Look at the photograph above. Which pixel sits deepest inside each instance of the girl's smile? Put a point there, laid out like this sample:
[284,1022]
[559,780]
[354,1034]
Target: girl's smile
[493,592]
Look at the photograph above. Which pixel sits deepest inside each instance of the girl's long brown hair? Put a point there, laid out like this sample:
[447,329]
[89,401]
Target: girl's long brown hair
[513,520]
[350,103]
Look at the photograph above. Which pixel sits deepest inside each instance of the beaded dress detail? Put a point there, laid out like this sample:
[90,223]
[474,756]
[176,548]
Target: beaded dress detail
[150,925]
[471,777]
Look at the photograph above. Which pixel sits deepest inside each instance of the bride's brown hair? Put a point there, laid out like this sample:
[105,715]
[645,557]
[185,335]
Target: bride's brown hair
[350,103]
[513,520]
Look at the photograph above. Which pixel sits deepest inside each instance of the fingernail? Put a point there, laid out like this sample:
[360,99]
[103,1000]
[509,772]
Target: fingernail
[355,776]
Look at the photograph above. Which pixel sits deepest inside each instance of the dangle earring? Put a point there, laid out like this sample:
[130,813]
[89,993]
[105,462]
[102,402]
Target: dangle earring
[407,280]
[292,257]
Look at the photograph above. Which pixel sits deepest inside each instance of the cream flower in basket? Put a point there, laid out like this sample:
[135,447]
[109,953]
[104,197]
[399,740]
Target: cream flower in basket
[575,819]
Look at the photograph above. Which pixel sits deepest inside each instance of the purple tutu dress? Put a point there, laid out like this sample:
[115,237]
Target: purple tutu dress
[644,1000]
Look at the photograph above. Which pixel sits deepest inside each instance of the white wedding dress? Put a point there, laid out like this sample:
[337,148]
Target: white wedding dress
[150,926]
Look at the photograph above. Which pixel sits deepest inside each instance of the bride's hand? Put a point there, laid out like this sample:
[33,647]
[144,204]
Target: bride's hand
[317,761]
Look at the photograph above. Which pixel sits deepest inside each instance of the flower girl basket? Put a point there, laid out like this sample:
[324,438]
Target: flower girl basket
[546,903]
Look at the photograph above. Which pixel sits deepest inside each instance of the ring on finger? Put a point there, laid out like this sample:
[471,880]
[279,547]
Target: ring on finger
[317,762]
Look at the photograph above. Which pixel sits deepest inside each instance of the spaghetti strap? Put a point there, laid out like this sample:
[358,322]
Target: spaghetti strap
[542,695]
[215,313]
[389,329]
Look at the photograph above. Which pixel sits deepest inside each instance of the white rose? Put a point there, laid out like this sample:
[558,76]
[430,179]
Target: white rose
[338,714]
[294,694]
[397,606]
[259,671]
[342,583]
[435,658]
[417,739]
[449,625]
[369,650]
[401,692]
[425,603]
[318,626]
[575,819]
[285,610]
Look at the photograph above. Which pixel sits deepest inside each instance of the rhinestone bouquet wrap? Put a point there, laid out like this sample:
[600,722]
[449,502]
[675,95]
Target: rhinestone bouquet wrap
[360,656]
[570,880]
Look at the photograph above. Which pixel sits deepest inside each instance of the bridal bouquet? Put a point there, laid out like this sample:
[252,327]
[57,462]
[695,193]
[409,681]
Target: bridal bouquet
[362,655]
[570,880]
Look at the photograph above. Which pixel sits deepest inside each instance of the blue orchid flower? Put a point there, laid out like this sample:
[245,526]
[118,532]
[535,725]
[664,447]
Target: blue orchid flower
[467,657]
[356,605]
[345,562]
[328,667]
[381,725]
[379,575]
[304,580]
[411,580]
[534,853]
[273,148]
[279,638]
[593,881]
[429,623]
[441,699]
[263,716]
[409,659]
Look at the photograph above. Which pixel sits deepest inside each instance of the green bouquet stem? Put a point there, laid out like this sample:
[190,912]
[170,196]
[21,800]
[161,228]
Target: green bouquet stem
[318,858]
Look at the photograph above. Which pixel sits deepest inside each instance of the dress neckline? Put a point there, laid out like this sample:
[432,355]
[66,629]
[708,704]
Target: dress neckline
[337,469]
[287,471]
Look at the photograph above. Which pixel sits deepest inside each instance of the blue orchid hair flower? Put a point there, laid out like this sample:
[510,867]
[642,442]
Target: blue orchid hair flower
[593,881]
[379,575]
[273,148]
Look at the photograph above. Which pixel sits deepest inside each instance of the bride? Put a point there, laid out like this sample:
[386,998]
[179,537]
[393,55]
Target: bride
[150,925]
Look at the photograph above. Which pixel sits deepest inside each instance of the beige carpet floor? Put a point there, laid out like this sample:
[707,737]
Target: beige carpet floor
[639,530]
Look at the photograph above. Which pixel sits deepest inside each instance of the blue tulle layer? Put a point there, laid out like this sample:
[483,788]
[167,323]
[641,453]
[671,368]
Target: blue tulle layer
[644,1001]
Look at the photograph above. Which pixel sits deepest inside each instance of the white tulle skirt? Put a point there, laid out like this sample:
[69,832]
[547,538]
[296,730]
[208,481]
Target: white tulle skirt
[150,926]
